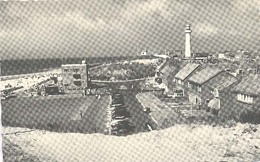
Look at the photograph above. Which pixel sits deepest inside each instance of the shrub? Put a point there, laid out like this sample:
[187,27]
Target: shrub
[251,115]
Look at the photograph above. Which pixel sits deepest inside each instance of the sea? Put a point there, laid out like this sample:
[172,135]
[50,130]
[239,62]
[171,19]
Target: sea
[33,65]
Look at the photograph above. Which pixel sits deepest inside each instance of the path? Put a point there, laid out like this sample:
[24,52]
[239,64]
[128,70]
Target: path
[161,113]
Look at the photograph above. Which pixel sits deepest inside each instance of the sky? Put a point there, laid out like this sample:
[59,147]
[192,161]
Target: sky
[30,29]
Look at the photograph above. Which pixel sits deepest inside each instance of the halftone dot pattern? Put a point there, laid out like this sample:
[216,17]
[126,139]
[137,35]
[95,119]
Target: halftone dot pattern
[61,29]
[111,28]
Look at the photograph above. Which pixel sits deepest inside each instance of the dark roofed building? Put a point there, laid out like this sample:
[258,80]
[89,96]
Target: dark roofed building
[181,78]
[247,92]
[221,90]
[186,71]
[205,74]
[165,70]
[249,85]
[223,82]
[202,85]
[51,89]
[243,96]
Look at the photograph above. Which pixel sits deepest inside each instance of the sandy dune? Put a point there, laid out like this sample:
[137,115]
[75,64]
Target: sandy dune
[179,143]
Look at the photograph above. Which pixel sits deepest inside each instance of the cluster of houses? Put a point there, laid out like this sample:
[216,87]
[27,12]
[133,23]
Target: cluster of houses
[239,55]
[215,89]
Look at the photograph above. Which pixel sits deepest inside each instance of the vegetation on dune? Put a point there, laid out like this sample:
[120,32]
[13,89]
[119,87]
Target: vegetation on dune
[13,152]
[124,71]
[250,115]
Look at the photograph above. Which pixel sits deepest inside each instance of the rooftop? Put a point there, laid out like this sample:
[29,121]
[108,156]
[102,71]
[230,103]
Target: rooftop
[205,74]
[201,54]
[249,85]
[166,70]
[186,71]
[224,82]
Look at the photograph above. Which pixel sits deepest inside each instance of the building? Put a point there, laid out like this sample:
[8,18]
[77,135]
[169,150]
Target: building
[75,78]
[200,85]
[144,52]
[165,71]
[176,54]
[221,90]
[187,41]
[181,78]
[51,89]
[221,56]
[240,71]
[246,94]
[201,57]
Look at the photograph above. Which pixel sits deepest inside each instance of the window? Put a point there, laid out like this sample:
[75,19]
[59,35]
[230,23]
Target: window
[76,76]
[75,70]
[189,84]
[66,70]
[77,83]
[245,98]
[199,88]
[179,93]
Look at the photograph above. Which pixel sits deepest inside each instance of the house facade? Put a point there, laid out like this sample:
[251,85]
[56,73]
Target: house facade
[221,89]
[205,85]
[75,78]
[245,96]
[181,78]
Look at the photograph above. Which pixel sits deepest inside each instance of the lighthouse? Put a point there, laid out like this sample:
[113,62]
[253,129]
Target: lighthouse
[187,41]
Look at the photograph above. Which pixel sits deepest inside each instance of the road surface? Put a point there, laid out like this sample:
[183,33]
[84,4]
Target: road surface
[162,114]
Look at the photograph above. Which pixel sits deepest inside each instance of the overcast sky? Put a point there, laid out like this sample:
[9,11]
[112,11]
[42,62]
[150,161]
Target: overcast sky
[118,27]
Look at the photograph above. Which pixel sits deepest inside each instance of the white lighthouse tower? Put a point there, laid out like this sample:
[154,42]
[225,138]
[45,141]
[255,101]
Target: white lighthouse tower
[187,41]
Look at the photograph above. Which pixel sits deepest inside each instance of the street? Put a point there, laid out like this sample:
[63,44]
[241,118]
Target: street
[139,118]
[161,113]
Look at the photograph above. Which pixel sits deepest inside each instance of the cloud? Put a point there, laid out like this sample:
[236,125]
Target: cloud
[206,29]
[79,20]
[111,27]
[244,6]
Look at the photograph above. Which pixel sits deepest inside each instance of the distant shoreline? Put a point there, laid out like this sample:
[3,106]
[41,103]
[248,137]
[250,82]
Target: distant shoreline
[8,77]
[36,65]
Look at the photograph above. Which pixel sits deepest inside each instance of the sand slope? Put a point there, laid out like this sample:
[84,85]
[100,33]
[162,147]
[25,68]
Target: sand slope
[178,143]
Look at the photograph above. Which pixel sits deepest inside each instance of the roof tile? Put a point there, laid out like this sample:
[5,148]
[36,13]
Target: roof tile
[186,71]
[205,74]
[249,85]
